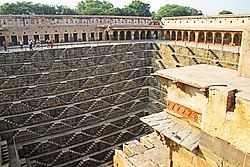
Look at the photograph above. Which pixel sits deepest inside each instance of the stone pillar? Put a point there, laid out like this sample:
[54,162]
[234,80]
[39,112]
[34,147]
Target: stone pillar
[51,36]
[213,37]
[182,35]
[176,35]
[87,36]
[118,35]
[244,63]
[7,39]
[189,36]
[139,35]
[111,35]
[125,35]
[19,38]
[222,38]
[170,35]
[205,37]
[104,35]
[232,38]
[196,36]
[132,35]
[164,34]
[97,38]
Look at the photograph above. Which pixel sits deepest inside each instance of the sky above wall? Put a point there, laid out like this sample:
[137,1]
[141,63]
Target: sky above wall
[206,6]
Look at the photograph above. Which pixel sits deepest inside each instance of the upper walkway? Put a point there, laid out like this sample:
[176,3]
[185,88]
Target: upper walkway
[234,49]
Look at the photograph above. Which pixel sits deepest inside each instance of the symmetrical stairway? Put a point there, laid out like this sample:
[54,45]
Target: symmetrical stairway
[73,107]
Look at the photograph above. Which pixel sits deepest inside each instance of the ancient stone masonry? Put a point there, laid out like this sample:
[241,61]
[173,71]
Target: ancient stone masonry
[72,107]
[71,28]
[205,123]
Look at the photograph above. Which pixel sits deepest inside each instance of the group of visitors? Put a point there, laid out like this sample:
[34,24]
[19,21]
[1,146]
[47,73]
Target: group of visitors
[36,43]
[31,43]
[50,43]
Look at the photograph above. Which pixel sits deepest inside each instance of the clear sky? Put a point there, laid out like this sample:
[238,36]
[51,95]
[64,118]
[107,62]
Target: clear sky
[206,6]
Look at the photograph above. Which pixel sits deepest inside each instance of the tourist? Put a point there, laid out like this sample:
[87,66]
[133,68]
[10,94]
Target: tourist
[21,44]
[47,42]
[51,42]
[30,42]
[154,36]
[34,44]
[5,46]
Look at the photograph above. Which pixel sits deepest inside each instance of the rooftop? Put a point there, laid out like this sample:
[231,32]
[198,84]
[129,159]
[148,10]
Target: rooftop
[208,17]
[204,76]
[74,16]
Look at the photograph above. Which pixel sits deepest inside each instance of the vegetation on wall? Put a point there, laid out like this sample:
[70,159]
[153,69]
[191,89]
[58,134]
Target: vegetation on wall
[98,7]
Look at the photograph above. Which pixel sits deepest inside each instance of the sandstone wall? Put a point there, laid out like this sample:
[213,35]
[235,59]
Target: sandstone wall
[73,107]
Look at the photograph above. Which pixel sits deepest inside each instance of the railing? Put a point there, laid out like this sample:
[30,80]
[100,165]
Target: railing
[73,44]
[234,49]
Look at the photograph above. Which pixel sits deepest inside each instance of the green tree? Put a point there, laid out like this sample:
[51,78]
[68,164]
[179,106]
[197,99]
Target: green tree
[225,12]
[20,8]
[117,12]
[137,8]
[64,10]
[170,10]
[94,7]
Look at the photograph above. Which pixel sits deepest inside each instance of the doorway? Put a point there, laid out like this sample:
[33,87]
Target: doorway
[56,36]
[84,37]
[25,39]
[46,37]
[2,38]
[14,39]
[75,37]
[66,37]
[100,36]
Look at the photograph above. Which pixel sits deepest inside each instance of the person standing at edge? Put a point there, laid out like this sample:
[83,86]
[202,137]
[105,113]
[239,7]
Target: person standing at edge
[51,43]
[5,46]
[21,44]
[30,44]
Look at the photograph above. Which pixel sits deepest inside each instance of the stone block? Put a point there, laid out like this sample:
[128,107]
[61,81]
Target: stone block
[247,160]
[227,164]
[210,157]
[232,155]
[185,155]
[202,163]
[206,140]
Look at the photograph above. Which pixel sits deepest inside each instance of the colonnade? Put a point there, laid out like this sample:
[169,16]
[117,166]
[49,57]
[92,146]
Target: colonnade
[213,37]
[133,34]
[198,36]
